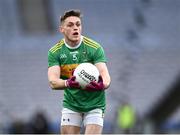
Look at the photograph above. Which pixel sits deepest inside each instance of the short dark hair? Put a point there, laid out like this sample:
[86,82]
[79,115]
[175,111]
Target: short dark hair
[69,13]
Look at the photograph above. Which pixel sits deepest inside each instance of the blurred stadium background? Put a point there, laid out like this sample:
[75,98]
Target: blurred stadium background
[142,43]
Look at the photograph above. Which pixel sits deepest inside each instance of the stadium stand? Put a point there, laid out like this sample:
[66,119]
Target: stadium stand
[142,68]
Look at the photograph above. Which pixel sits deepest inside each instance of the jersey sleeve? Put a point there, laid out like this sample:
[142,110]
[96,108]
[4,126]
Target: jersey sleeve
[52,59]
[99,55]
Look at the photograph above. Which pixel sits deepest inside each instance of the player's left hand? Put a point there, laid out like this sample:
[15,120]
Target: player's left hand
[96,86]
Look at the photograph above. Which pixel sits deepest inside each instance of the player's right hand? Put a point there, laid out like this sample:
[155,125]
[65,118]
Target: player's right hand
[71,83]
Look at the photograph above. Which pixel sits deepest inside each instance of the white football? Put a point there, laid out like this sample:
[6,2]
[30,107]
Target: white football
[85,73]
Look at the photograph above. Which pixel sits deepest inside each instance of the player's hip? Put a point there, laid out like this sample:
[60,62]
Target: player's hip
[84,107]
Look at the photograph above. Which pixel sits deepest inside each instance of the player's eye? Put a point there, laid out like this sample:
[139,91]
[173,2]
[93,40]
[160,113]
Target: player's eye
[69,25]
[78,24]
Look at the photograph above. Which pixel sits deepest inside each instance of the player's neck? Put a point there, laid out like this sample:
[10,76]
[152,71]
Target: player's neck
[73,44]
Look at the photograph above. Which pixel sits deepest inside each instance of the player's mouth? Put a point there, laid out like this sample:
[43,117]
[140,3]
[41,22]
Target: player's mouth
[75,34]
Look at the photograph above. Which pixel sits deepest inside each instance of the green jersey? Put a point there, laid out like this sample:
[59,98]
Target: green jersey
[68,59]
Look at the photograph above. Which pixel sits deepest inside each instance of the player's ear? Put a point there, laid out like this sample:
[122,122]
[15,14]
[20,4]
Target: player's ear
[61,29]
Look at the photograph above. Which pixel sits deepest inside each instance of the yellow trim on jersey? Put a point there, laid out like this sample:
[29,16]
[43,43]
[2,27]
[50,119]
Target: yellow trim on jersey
[91,41]
[86,43]
[91,44]
[57,46]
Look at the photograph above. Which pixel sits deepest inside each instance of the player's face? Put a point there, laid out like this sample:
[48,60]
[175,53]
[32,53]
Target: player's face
[71,28]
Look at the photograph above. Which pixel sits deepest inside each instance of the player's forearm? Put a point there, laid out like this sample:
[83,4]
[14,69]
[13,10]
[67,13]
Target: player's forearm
[106,78]
[106,82]
[57,84]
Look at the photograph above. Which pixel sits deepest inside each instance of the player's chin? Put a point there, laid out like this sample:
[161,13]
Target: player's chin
[75,39]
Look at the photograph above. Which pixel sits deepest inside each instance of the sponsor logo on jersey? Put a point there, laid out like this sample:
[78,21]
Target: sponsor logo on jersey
[63,56]
[75,52]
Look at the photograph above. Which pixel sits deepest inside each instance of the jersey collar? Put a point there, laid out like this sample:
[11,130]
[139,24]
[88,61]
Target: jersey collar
[70,47]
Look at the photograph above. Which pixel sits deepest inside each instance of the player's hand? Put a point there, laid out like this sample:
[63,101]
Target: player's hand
[71,83]
[96,86]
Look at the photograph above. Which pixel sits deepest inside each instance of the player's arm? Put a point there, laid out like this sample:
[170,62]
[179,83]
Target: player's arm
[103,70]
[58,84]
[54,78]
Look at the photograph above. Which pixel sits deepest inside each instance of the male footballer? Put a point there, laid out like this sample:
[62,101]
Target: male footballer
[80,106]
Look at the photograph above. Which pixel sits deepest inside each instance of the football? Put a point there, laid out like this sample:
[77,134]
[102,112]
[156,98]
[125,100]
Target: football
[85,73]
